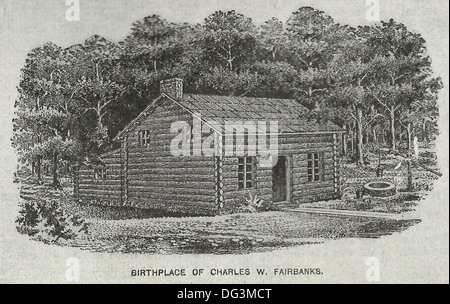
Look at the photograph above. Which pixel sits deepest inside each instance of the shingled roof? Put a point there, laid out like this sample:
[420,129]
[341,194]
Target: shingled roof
[289,114]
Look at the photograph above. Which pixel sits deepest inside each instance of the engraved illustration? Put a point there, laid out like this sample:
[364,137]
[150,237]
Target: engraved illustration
[226,137]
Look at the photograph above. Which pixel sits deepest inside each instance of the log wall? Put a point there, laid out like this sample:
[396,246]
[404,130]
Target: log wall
[106,190]
[299,146]
[296,149]
[158,179]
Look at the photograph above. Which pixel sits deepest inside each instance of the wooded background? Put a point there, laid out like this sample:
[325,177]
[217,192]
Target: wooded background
[374,81]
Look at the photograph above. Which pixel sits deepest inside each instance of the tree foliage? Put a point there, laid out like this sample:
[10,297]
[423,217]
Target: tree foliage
[72,101]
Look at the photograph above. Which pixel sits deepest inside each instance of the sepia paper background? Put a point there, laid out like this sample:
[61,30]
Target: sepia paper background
[418,255]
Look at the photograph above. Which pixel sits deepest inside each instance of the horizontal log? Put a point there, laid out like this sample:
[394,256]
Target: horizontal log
[169,160]
[242,194]
[171,190]
[100,187]
[171,205]
[101,193]
[172,177]
[173,165]
[165,117]
[329,162]
[230,174]
[155,148]
[230,161]
[109,174]
[228,188]
[100,182]
[171,197]
[328,174]
[171,183]
[110,166]
[231,168]
[311,186]
[304,173]
[173,171]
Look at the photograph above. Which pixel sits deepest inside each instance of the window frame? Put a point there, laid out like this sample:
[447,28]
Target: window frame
[315,166]
[100,173]
[245,162]
[144,138]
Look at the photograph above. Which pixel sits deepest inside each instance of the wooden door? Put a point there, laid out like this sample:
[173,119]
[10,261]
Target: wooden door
[279,181]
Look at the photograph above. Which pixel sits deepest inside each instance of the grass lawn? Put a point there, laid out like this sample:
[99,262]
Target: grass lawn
[402,202]
[131,230]
[228,234]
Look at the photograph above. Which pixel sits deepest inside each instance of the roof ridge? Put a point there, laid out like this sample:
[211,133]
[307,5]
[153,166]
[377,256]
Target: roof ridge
[232,96]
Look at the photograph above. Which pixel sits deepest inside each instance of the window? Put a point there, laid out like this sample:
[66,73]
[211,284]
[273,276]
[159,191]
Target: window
[144,137]
[315,167]
[100,173]
[246,172]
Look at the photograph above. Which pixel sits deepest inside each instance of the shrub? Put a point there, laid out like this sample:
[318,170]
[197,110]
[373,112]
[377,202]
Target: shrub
[49,222]
[253,204]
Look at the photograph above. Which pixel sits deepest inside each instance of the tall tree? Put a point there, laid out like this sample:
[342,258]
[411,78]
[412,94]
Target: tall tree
[148,40]
[99,85]
[308,33]
[400,57]
[36,88]
[351,71]
[272,40]
[44,120]
[229,39]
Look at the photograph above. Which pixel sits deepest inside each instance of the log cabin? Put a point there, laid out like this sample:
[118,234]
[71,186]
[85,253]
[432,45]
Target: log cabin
[151,171]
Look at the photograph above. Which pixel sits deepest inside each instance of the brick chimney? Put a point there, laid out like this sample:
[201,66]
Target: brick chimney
[172,87]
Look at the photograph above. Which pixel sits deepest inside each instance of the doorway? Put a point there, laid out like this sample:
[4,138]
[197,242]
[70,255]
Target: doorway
[280,180]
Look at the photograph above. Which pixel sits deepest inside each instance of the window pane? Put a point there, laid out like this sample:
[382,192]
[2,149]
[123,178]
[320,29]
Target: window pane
[249,184]
[241,161]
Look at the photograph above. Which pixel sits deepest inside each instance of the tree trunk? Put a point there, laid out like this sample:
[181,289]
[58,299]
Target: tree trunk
[345,141]
[410,176]
[230,65]
[353,141]
[360,136]
[374,136]
[39,169]
[56,183]
[424,130]
[393,145]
